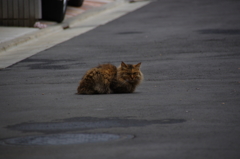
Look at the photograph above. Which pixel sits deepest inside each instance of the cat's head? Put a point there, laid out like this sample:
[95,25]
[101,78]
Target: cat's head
[130,73]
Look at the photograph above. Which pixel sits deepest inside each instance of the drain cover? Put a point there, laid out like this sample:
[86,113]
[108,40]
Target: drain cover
[64,139]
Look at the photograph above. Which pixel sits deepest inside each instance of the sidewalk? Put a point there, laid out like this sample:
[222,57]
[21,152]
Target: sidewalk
[13,36]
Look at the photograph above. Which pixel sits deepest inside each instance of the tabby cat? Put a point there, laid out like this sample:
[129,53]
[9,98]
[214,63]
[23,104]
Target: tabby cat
[107,78]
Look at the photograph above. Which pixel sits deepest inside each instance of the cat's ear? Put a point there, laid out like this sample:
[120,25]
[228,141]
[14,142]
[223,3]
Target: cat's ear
[123,65]
[137,65]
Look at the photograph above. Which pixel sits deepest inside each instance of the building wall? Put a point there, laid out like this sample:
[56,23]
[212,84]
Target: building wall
[20,12]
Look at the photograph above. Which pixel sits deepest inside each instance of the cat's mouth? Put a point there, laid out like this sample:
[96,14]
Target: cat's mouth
[131,80]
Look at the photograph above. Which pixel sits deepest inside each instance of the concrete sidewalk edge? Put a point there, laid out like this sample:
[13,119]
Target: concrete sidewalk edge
[5,46]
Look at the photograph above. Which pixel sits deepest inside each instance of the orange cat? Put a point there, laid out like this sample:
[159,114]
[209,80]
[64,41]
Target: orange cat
[106,79]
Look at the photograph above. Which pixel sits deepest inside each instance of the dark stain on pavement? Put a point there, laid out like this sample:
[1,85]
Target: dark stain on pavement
[86,123]
[63,139]
[46,64]
[220,31]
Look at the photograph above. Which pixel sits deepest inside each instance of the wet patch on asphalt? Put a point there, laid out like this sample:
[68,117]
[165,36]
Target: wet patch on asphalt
[57,132]
[63,139]
[47,64]
[87,123]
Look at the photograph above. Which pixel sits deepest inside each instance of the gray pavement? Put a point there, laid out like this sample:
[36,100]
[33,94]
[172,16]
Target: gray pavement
[25,46]
[11,37]
[187,107]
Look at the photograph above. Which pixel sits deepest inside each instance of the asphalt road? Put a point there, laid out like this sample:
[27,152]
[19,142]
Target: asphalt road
[187,107]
